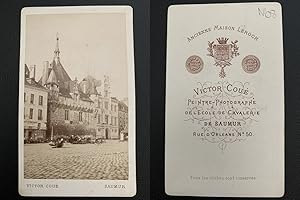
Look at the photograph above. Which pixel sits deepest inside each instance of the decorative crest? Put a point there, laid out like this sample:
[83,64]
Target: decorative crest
[222,40]
[223,53]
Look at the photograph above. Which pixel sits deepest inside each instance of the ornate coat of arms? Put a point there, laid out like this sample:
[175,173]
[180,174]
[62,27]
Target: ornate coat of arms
[223,53]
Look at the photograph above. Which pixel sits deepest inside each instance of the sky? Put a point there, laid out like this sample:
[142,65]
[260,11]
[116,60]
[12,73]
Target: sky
[89,44]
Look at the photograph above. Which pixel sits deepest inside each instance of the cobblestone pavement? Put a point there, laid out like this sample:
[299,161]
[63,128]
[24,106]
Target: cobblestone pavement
[108,161]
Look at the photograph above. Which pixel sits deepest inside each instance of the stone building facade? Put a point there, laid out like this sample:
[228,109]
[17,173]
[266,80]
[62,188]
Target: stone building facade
[114,121]
[83,108]
[105,107]
[35,107]
[123,118]
[69,109]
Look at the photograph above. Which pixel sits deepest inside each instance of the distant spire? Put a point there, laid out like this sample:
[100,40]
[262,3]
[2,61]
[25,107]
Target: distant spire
[56,52]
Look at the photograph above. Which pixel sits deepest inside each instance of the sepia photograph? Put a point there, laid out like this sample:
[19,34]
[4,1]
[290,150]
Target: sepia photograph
[76,96]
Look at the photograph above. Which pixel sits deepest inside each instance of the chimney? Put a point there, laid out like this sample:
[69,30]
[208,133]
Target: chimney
[32,72]
[45,73]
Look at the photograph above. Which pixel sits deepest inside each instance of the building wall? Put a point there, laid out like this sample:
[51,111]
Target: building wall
[35,128]
[71,117]
[122,120]
[107,124]
[114,119]
[99,117]
[123,117]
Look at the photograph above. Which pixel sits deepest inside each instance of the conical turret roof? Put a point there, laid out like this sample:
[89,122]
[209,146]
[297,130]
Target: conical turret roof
[52,78]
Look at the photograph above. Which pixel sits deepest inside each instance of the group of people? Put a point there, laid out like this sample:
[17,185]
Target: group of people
[84,140]
[58,142]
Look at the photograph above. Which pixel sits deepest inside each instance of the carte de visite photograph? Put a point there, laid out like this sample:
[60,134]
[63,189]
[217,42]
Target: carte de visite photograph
[77,102]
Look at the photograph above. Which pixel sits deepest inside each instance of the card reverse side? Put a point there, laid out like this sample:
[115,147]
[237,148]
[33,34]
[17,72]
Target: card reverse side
[224,100]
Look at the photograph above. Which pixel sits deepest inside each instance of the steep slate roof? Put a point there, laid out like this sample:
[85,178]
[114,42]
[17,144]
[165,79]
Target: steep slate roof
[33,83]
[61,74]
[64,92]
[52,77]
[84,97]
[115,99]
[57,74]
[123,104]
[91,83]
[40,81]
[27,72]
[96,82]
